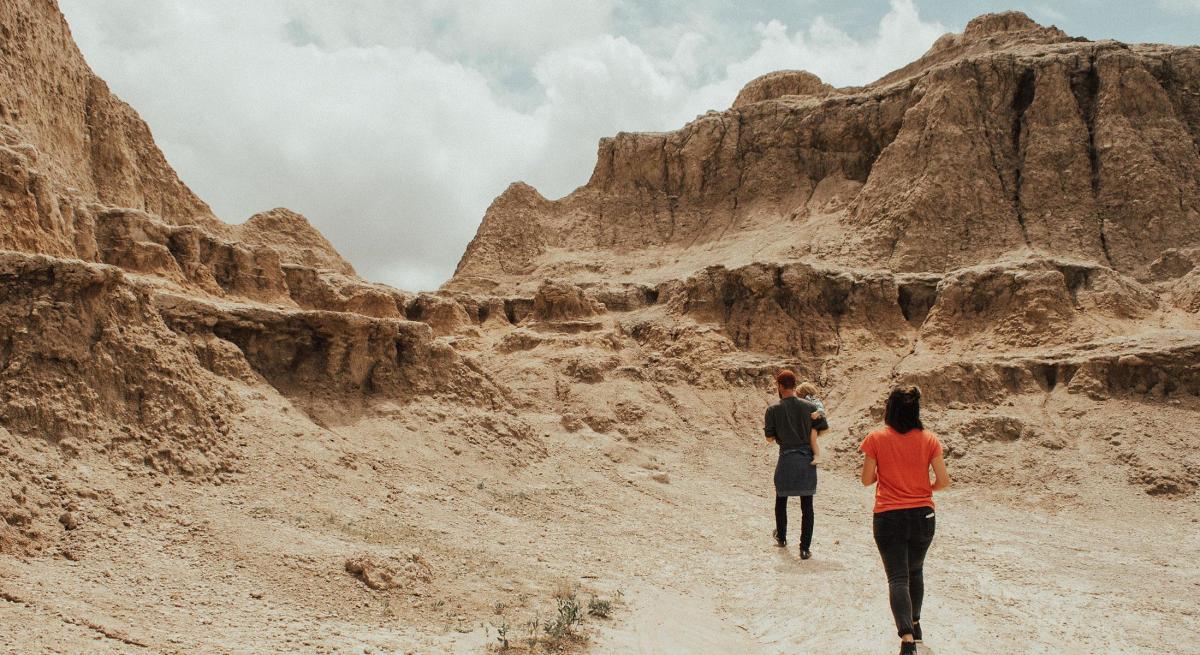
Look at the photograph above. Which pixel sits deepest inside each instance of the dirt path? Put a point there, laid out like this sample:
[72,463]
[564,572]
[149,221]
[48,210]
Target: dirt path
[1050,577]
[258,566]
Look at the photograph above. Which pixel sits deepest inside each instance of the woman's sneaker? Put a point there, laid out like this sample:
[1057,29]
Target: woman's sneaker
[782,543]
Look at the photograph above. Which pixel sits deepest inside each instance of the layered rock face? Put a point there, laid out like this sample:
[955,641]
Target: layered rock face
[89,141]
[1010,221]
[1014,215]
[1007,138]
[132,320]
[87,357]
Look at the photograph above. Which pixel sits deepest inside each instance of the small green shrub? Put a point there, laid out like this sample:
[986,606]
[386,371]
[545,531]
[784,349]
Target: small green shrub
[533,626]
[502,634]
[563,632]
[570,614]
[599,607]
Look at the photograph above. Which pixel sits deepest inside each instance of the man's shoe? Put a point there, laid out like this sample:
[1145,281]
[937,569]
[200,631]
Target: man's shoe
[908,648]
[917,631]
[805,554]
[782,543]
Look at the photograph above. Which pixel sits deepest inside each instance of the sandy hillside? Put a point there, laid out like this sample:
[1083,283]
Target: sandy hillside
[217,438]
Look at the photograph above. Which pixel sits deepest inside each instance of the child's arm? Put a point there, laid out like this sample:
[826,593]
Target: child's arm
[820,421]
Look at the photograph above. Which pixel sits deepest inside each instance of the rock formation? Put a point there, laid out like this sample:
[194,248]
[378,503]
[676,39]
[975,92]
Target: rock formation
[1016,212]
[1009,138]
[782,83]
[127,307]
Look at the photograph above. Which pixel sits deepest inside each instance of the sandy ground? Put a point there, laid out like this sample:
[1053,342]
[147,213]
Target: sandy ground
[256,566]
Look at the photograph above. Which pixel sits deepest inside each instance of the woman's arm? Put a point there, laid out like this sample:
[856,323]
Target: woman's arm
[941,477]
[868,471]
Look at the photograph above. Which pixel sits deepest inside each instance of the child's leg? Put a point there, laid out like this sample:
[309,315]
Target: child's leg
[816,447]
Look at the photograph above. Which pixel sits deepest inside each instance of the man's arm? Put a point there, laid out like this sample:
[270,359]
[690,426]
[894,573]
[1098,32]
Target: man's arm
[769,426]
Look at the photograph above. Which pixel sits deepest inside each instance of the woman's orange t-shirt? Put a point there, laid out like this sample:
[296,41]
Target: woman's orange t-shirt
[902,467]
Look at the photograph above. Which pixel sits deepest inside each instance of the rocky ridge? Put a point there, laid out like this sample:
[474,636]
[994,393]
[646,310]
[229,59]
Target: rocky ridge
[128,308]
[1009,138]
[1016,212]
[1030,151]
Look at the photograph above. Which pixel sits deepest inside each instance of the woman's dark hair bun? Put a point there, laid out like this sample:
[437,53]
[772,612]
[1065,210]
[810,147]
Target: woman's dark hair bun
[903,409]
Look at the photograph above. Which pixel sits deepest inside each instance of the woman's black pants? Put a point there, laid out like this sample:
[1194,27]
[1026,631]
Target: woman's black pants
[806,519]
[903,537]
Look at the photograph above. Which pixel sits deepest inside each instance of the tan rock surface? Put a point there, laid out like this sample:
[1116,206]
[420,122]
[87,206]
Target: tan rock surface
[297,242]
[1008,138]
[89,139]
[782,83]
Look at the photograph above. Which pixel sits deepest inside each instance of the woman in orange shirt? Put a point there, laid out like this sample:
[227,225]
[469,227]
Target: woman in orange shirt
[898,459]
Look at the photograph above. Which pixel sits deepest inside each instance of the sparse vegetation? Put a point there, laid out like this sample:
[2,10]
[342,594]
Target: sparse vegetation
[599,607]
[533,626]
[570,615]
[561,632]
[502,634]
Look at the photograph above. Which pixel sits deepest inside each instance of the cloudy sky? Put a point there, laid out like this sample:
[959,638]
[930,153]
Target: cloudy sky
[392,124]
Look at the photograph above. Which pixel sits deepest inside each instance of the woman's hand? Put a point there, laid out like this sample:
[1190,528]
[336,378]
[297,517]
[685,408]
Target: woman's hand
[941,477]
[869,471]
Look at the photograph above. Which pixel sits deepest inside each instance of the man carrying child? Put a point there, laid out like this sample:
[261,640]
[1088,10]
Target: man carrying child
[793,424]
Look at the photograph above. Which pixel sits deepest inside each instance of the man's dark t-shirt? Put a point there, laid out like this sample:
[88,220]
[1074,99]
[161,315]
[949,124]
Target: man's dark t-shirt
[789,422]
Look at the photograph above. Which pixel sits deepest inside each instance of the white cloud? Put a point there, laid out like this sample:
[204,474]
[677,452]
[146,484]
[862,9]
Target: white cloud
[392,125]
[830,53]
[1181,6]
[1049,13]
